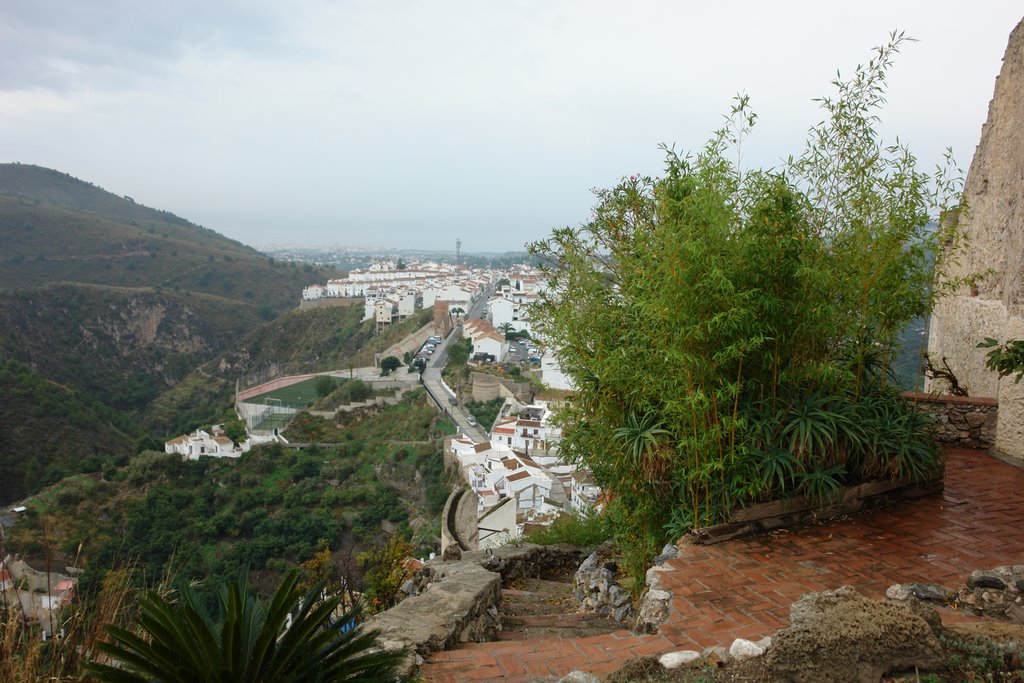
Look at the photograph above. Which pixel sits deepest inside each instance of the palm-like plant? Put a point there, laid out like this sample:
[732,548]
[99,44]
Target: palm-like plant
[640,437]
[252,642]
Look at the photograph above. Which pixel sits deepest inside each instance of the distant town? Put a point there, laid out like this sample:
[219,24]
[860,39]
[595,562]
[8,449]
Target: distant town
[513,465]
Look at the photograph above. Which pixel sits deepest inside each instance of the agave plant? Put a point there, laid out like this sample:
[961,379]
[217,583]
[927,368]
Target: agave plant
[252,641]
[640,436]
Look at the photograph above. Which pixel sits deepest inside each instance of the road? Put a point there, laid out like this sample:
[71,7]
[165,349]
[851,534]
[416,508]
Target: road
[432,379]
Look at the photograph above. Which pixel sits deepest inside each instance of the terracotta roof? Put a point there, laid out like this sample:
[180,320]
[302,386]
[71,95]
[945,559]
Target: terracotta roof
[529,423]
[518,476]
[528,461]
[503,430]
[481,447]
[412,564]
[583,477]
[179,439]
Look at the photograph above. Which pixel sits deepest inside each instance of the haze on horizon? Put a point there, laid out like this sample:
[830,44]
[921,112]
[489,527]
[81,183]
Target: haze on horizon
[409,124]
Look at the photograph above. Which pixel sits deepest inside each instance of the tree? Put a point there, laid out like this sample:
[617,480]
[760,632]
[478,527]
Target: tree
[324,385]
[730,332]
[459,352]
[389,364]
[235,429]
[251,641]
[507,329]
[384,572]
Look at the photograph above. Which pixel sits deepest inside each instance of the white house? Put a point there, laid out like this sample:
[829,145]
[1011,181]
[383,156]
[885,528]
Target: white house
[584,493]
[199,443]
[529,429]
[551,372]
[314,292]
[485,338]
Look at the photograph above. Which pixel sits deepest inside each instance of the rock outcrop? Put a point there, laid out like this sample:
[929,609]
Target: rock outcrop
[596,589]
[994,227]
[841,636]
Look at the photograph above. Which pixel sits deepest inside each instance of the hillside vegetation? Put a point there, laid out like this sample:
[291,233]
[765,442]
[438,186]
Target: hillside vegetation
[266,511]
[52,431]
[55,228]
[118,303]
[121,346]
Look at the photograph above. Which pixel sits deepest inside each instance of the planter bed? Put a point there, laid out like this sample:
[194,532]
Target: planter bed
[778,514]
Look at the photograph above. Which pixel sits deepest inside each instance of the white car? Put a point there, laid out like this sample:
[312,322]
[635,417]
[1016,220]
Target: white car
[471,420]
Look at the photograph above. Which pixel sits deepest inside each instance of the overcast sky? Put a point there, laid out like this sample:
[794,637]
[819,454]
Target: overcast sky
[405,123]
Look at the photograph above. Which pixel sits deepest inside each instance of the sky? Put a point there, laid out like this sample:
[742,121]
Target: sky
[410,124]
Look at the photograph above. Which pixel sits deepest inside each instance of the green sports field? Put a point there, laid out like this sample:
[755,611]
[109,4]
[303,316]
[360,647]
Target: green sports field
[298,395]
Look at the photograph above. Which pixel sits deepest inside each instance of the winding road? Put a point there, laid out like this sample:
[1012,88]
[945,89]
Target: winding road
[432,380]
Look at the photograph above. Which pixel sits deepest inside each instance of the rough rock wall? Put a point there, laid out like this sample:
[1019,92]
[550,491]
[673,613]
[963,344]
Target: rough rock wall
[994,226]
[960,420]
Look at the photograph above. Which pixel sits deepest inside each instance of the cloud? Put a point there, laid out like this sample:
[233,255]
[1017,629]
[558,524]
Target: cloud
[425,119]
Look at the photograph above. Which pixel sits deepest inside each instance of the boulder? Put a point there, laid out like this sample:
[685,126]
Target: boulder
[742,648]
[681,659]
[842,636]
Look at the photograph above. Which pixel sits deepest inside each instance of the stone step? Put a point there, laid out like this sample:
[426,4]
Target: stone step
[537,608]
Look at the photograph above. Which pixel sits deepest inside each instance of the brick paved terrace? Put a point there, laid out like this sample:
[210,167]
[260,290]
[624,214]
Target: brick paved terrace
[743,588]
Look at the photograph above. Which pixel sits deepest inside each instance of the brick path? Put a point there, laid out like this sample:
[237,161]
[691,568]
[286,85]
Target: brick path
[743,588]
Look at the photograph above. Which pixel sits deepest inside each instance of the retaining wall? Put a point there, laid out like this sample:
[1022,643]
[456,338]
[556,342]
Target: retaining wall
[966,421]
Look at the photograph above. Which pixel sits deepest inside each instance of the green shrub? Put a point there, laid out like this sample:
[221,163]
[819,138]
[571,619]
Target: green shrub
[730,332]
[579,530]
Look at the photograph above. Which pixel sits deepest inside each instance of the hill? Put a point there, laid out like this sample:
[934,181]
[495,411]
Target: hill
[51,431]
[299,341]
[55,228]
[116,303]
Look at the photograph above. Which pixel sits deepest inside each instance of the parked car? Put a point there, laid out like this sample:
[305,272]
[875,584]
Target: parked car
[454,401]
[471,420]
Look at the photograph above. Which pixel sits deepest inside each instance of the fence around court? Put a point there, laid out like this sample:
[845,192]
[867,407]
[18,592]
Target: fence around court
[266,416]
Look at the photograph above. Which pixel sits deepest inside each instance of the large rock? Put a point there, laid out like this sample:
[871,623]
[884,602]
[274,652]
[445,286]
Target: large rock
[838,636]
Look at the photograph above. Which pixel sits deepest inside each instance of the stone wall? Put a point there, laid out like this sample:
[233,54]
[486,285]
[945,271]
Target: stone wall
[994,227]
[487,387]
[407,345]
[330,302]
[459,528]
[961,420]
